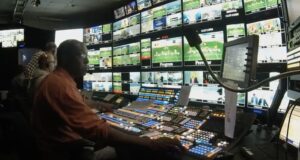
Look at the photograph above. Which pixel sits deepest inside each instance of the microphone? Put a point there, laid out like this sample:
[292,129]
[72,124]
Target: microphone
[192,37]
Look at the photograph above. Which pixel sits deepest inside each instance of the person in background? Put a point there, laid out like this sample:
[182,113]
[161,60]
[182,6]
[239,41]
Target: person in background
[61,117]
[50,50]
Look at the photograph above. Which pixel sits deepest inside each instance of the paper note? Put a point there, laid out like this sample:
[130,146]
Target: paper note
[230,113]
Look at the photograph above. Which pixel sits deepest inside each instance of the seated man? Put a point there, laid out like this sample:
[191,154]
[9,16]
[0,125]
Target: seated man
[60,115]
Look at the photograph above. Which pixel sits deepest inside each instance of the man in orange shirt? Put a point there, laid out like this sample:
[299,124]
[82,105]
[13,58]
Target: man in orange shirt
[60,115]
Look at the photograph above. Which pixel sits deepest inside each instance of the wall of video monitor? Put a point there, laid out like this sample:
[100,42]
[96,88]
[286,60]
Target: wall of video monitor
[144,47]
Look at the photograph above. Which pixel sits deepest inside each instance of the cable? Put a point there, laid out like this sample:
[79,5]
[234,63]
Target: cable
[282,75]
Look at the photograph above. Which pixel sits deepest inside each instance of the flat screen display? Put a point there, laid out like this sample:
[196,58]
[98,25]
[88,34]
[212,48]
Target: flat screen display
[119,13]
[11,37]
[99,82]
[142,4]
[131,8]
[235,31]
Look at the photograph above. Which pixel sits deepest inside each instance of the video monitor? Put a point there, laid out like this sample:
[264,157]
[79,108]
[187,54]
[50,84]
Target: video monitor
[191,4]
[148,79]
[170,79]
[106,28]
[117,77]
[131,8]
[92,35]
[134,77]
[142,4]
[173,20]
[105,60]
[173,7]
[146,53]
[157,1]
[252,6]
[203,14]
[147,23]
[159,23]
[11,37]
[25,55]
[117,88]
[127,55]
[62,35]
[260,99]
[167,52]
[127,27]
[235,31]
[232,5]
[271,44]
[206,94]
[290,128]
[94,58]
[99,82]
[134,88]
[212,47]
[134,82]
[193,78]
[119,13]
[134,48]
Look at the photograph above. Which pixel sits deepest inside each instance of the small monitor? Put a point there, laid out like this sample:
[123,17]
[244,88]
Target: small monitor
[11,37]
[130,8]
[120,12]
[239,61]
[290,128]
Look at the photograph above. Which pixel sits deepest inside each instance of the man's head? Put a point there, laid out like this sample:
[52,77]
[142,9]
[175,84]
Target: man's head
[72,56]
[51,48]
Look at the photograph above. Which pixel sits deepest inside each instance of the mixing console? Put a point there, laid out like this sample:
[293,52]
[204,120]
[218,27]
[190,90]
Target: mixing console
[199,129]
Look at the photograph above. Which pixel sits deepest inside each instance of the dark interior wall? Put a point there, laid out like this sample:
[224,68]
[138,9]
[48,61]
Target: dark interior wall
[34,38]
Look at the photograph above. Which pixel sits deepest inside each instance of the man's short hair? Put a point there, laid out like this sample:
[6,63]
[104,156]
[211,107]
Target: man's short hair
[69,49]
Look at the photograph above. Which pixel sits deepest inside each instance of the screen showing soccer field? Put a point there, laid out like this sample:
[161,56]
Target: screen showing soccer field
[117,77]
[93,57]
[212,47]
[148,79]
[235,31]
[147,21]
[106,28]
[252,6]
[232,5]
[117,88]
[99,82]
[11,37]
[105,57]
[203,14]
[167,52]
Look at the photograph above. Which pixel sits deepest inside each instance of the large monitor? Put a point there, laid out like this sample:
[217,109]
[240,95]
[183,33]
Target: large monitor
[196,11]
[212,47]
[252,6]
[167,52]
[272,48]
[168,79]
[127,55]
[62,35]
[290,128]
[11,37]
[161,17]
[97,34]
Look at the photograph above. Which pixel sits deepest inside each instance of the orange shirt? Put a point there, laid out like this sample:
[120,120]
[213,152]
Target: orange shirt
[60,114]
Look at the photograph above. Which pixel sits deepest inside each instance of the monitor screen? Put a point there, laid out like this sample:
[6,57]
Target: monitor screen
[290,129]
[142,4]
[119,13]
[106,28]
[148,79]
[193,15]
[25,54]
[232,5]
[93,57]
[167,52]
[235,31]
[117,87]
[134,83]
[105,60]
[99,82]
[127,55]
[271,45]
[212,47]
[147,21]
[92,35]
[252,6]
[11,37]
[146,53]
[130,8]
[126,27]
[170,79]
[206,94]
[62,35]
[260,98]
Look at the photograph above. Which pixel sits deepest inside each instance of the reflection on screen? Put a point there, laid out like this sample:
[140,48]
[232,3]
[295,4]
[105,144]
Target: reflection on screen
[294,127]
